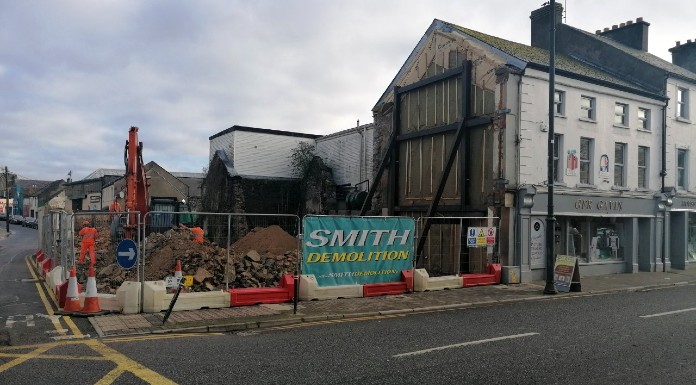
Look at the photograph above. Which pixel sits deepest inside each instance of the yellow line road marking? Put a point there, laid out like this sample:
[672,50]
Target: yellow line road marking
[110,377]
[55,357]
[49,308]
[156,337]
[336,321]
[37,352]
[126,364]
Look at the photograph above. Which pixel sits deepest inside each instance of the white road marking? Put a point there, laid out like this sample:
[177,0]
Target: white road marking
[28,319]
[668,313]
[417,352]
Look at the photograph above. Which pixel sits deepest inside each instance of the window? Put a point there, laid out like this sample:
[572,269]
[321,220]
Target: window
[559,100]
[621,114]
[619,164]
[683,103]
[682,169]
[644,118]
[587,104]
[643,159]
[557,149]
[585,161]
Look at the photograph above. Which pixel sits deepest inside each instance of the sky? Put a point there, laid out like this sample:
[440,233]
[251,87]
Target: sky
[76,75]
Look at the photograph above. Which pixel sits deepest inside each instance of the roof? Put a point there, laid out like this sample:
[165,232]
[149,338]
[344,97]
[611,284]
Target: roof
[540,57]
[646,57]
[101,172]
[264,131]
[369,126]
[522,56]
[188,174]
[32,183]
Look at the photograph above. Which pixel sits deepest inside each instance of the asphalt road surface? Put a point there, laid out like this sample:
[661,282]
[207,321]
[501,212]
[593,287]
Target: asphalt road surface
[644,337]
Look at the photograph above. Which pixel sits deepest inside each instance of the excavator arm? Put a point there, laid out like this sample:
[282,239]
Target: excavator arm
[136,182]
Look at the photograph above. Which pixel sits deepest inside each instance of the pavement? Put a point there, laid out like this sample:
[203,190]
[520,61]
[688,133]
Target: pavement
[248,318]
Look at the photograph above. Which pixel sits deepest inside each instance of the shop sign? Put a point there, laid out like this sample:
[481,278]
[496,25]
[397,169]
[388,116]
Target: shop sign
[566,273]
[538,243]
[599,205]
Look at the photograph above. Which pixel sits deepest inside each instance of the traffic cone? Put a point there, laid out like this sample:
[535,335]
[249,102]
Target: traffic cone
[72,298]
[178,275]
[91,299]
[177,271]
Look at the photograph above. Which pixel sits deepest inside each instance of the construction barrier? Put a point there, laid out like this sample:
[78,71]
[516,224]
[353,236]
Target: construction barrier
[255,296]
[311,291]
[390,288]
[490,278]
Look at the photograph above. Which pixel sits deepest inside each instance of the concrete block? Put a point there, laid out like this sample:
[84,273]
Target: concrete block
[128,297]
[310,290]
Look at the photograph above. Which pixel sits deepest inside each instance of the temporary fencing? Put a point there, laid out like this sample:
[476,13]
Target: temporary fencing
[450,246]
[221,250]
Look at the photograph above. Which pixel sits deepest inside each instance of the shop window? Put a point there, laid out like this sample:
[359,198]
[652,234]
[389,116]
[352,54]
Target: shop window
[605,243]
[691,242]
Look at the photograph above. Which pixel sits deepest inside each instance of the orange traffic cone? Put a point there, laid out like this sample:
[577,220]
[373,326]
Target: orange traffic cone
[72,297]
[177,271]
[91,299]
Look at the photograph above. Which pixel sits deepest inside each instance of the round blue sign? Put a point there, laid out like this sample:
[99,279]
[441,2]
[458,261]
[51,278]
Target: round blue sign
[126,254]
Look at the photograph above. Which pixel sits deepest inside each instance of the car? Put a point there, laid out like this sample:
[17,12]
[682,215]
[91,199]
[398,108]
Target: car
[16,219]
[31,223]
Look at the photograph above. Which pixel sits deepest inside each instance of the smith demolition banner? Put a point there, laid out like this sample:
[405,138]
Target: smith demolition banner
[350,251]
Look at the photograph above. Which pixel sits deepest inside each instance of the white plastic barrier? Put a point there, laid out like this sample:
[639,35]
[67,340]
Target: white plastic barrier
[128,297]
[310,290]
[55,278]
[156,299]
[422,281]
[109,302]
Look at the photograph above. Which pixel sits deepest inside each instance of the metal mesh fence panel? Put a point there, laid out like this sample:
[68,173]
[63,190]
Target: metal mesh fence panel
[447,249]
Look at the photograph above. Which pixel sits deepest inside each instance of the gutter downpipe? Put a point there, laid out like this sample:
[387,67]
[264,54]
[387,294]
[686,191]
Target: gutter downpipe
[518,140]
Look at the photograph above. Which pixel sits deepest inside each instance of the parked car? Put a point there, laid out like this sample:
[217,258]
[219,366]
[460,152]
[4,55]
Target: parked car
[16,219]
[30,222]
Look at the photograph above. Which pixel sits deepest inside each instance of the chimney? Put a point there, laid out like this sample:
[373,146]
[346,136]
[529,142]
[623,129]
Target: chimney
[684,55]
[631,34]
[541,24]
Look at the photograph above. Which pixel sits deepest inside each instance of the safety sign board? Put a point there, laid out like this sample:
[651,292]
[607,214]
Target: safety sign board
[171,281]
[126,254]
[480,236]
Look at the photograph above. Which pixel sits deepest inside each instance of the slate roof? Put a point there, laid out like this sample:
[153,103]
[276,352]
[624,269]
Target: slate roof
[540,57]
[646,57]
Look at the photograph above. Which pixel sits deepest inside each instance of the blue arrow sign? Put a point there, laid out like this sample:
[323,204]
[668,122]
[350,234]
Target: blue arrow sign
[126,254]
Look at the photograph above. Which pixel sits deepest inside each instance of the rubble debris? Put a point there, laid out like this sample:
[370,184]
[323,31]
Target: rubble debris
[259,259]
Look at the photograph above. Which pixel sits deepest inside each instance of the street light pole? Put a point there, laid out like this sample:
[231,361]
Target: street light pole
[550,219]
[7,201]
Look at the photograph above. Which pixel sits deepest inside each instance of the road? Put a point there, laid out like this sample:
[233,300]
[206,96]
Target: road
[639,338]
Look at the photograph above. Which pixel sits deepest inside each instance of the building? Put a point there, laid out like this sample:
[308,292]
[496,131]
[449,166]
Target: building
[462,132]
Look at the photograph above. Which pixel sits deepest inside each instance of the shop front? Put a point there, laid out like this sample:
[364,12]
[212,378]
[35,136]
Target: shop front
[608,234]
[682,233]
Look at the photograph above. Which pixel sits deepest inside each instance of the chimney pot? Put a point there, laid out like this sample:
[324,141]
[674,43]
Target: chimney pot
[622,25]
[614,26]
[629,22]
[688,41]
[678,43]
[638,20]
[597,32]
[606,29]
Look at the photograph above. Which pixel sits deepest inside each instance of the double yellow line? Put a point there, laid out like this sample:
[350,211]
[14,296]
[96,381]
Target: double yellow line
[76,333]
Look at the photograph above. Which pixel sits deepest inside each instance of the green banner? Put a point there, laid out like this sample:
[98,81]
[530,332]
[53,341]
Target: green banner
[352,250]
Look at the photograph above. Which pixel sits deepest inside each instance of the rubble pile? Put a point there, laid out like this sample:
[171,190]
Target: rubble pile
[258,259]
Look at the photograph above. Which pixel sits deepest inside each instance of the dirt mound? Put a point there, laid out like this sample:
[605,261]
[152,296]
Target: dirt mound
[258,259]
[266,240]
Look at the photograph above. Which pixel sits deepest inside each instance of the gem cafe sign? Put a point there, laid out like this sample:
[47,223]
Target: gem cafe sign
[602,205]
